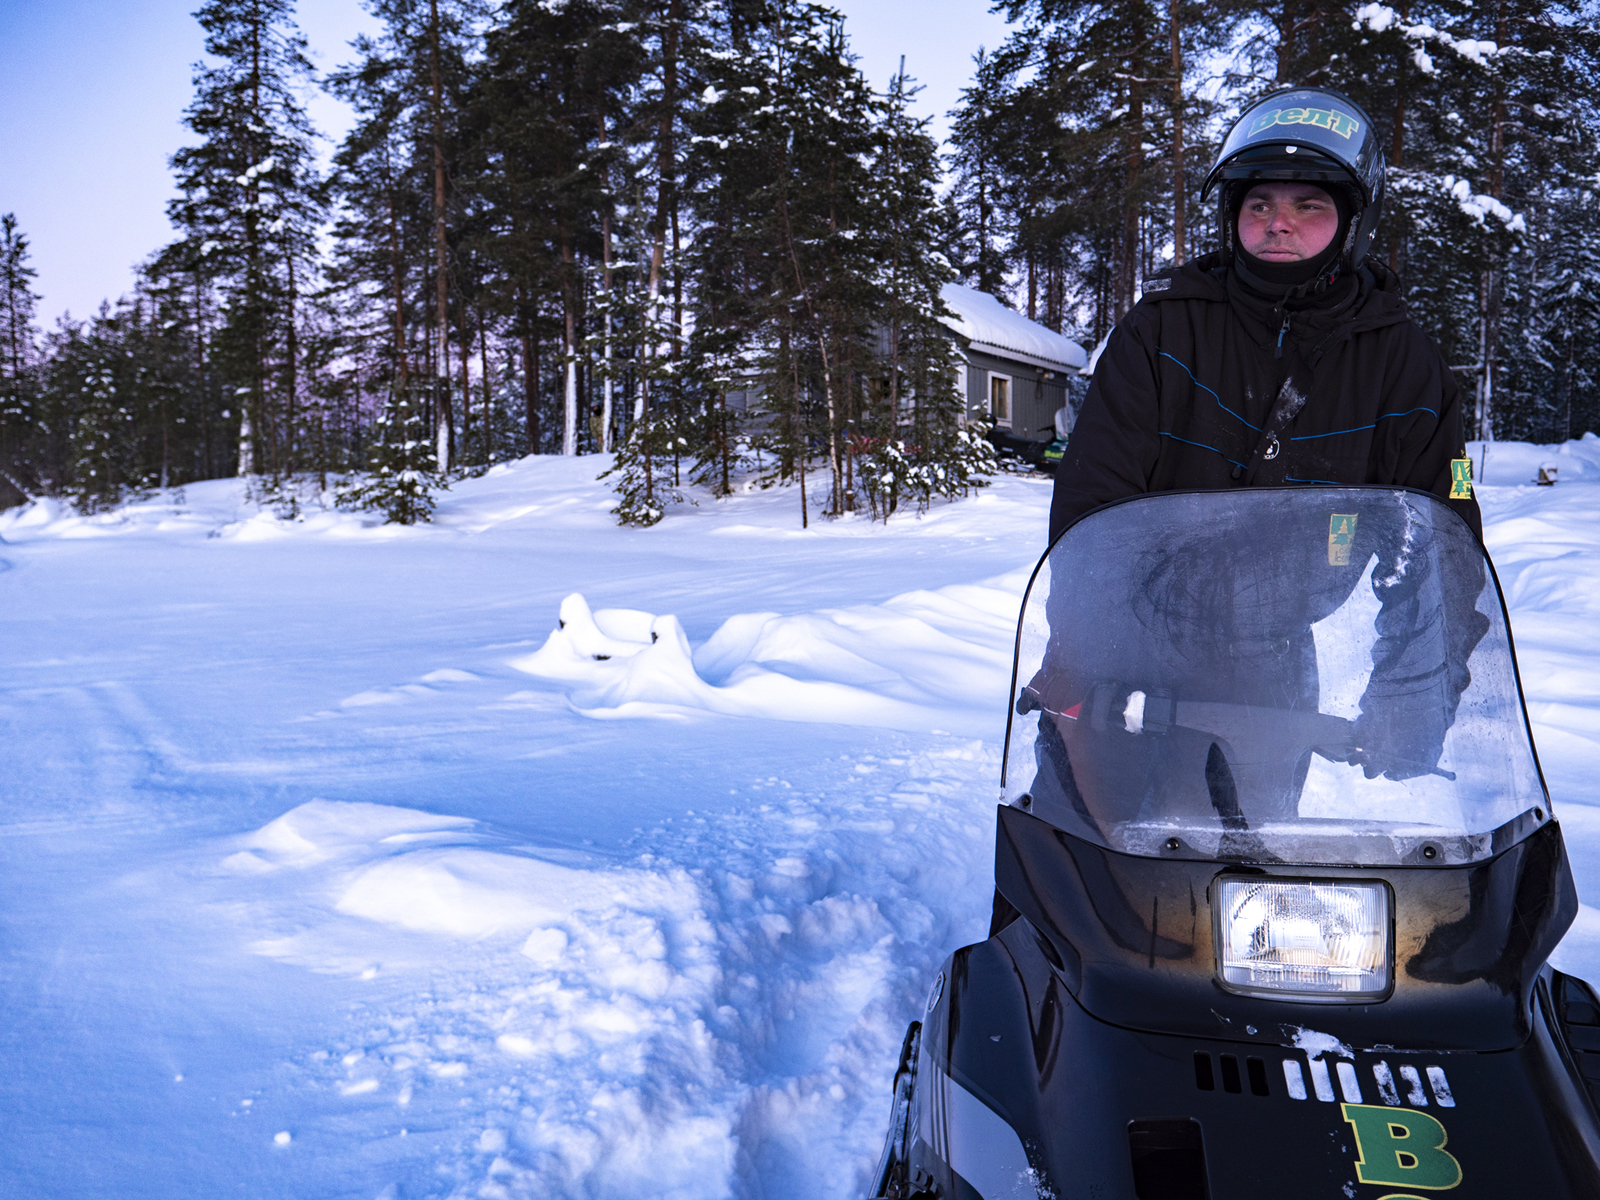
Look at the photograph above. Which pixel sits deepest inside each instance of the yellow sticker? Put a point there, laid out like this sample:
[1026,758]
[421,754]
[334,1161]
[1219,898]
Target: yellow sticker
[1341,532]
[1461,479]
[1401,1146]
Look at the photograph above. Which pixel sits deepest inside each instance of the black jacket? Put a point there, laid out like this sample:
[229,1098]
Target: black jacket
[1189,379]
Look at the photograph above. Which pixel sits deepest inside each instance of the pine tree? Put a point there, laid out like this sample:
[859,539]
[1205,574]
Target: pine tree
[922,447]
[557,84]
[976,148]
[1486,112]
[398,180]
[18,376]
[97,397]
[783,152]
[1566,338]
[249,205]
[1055,151]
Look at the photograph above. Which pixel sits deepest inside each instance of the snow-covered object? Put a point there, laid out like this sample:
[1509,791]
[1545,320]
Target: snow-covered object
[898,665]
[994,328]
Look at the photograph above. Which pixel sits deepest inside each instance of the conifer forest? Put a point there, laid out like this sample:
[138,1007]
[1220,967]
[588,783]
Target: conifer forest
[603,226]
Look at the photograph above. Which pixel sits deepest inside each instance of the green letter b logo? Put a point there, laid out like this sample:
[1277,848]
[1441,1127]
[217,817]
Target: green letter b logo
[1401,1146]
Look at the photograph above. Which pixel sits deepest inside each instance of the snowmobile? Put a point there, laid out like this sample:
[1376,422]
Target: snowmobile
[1044,457]
[1277,880]
[1057,449]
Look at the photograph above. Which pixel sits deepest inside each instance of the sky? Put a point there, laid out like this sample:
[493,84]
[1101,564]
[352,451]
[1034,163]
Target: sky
[92,94]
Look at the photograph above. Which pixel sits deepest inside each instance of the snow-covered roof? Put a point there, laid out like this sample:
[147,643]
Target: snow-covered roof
[993,327]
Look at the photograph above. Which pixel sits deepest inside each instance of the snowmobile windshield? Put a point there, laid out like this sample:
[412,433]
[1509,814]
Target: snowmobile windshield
[1315,675]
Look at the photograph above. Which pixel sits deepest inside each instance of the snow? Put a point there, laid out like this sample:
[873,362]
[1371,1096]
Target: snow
[1380,17]
[1318,1044]
[1478,206]
[983,319]
[523,855]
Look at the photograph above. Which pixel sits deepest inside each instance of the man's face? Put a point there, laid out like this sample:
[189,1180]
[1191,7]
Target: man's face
[1287,222]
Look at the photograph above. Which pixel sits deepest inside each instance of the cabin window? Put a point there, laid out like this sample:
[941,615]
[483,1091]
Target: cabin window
[1000,399]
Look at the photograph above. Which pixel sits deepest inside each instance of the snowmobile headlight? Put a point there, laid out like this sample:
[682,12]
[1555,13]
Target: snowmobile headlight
[1310,939]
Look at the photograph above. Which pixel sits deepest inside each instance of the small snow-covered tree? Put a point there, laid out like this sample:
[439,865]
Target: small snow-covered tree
[93,395]
[404,473]
[643,491]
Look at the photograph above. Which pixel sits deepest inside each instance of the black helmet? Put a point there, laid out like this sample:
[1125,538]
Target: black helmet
[1314,134]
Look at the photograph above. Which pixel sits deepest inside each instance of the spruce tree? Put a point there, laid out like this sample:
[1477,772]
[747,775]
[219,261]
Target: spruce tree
[1565,341]
[18,354]
[249,204]
[403,469]
[922,447]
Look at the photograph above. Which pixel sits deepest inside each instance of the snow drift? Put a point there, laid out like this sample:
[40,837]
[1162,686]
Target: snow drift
[921,657]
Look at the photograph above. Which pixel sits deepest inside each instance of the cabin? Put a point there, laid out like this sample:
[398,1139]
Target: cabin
[1014,369]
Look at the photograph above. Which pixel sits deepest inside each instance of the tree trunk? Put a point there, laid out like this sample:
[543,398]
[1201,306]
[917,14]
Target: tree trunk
[1179,194]
[397,272]
[1285,41]
[291,371]
[1033,284]
[442,416]
[530,384]
[488,395]
[1485,361]
[253,288]
[1493,278]
[200,373]
[1397,136]
[569,411]
[466,385]
[608,385]
[666,177]
[1133,164]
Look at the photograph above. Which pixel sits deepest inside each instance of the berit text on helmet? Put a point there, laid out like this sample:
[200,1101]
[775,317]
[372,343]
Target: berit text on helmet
[1343,124]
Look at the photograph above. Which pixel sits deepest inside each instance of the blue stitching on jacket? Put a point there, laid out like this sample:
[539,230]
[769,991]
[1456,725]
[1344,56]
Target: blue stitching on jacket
[1334,482]
[1220,404]
[1202,445]
[1306,437]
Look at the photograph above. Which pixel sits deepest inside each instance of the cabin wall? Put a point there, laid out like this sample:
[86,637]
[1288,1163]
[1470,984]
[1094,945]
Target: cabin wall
[1034,399]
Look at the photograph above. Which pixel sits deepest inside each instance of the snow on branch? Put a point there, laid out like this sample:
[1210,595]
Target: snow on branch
[1380,18]
[1478,207]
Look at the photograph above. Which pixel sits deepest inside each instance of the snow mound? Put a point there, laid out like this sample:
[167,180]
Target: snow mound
[1516,464]
[897,665]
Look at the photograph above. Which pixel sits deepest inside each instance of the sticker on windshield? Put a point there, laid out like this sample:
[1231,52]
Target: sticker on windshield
[1341,532]
[1461,479]
[1401,1147]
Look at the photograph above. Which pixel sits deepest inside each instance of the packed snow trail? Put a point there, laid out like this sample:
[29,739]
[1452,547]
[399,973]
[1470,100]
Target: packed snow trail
[527,856]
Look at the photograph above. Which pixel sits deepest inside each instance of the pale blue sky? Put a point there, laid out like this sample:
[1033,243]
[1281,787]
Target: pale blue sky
[92,93]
